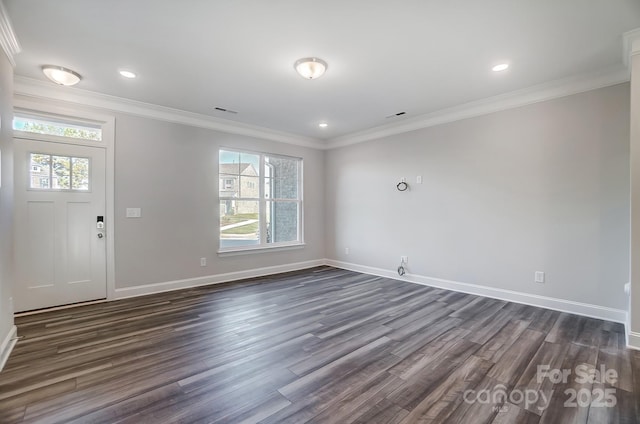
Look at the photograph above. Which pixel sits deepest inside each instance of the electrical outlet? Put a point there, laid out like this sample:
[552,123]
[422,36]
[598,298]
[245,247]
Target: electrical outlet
[419,179]
[203,261]
[539,277]
[404,259]
[346,250]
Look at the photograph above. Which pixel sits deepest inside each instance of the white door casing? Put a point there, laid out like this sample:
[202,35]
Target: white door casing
[60,258]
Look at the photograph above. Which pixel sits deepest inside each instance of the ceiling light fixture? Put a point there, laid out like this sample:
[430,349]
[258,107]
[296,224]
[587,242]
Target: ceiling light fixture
[127,74]
[60,75]
[323,125]
[500,67]
[310,67]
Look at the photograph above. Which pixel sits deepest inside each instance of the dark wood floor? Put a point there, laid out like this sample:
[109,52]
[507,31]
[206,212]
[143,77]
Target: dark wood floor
[321,346]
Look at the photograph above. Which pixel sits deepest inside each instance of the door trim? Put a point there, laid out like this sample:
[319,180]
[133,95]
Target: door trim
[107,122]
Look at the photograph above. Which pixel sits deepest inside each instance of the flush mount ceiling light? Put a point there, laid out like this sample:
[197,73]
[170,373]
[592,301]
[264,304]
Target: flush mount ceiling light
[310,67]
[323,125]
[60,75]
[127,74]
[500,67]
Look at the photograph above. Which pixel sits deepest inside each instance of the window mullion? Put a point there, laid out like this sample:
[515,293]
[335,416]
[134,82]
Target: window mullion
[50,172]
[71,173]
[299,201]
[262,206]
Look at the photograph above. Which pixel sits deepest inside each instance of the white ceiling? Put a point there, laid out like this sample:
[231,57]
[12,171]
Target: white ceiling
[418,56]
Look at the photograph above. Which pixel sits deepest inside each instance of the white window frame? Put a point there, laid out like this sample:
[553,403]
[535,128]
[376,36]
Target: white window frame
[262,204]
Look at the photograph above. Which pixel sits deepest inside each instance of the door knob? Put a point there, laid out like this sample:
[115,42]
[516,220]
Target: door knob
[100,235]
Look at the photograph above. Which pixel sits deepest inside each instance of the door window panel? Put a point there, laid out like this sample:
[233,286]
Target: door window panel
[61,178]
[40,171]
[65,173]
[80,172]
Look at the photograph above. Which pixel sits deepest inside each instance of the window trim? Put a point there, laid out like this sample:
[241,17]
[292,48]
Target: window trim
[250,250]
[263,246]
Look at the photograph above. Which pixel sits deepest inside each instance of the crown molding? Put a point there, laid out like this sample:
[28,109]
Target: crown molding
[514,99]
[630,45]
[43,90]
[8,39]
[36,89]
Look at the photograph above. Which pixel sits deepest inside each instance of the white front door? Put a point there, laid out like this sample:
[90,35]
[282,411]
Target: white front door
[60,249]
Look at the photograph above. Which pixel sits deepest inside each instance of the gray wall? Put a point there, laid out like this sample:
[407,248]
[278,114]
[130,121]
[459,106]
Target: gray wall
[171,172]
[538,188]
[6,195]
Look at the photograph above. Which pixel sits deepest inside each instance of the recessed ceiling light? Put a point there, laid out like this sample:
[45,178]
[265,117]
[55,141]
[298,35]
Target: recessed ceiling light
[500,67]
[127,74]
[310,67]
[60,75]
[323,125]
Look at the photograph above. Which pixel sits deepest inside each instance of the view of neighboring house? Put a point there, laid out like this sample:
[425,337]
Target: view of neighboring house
[238,181]
[40,178]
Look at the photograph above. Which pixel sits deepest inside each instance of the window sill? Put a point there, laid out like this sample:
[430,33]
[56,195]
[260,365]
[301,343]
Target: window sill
[261,249]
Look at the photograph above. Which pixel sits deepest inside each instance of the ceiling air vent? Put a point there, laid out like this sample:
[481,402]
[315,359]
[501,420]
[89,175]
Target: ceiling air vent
[395,115]
[221,109]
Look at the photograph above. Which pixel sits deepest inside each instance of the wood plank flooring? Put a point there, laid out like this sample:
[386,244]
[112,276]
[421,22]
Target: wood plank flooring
[316,346]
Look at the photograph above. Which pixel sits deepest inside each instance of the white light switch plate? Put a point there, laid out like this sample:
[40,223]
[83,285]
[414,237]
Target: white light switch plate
[134,212]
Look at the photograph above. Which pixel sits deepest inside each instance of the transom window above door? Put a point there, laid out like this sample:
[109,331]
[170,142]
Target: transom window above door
[51,172]
[57,128]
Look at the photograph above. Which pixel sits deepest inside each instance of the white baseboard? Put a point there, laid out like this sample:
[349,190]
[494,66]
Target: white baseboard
[633,340]
[7,345]
[585,309]
[121,293]
[578,308]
